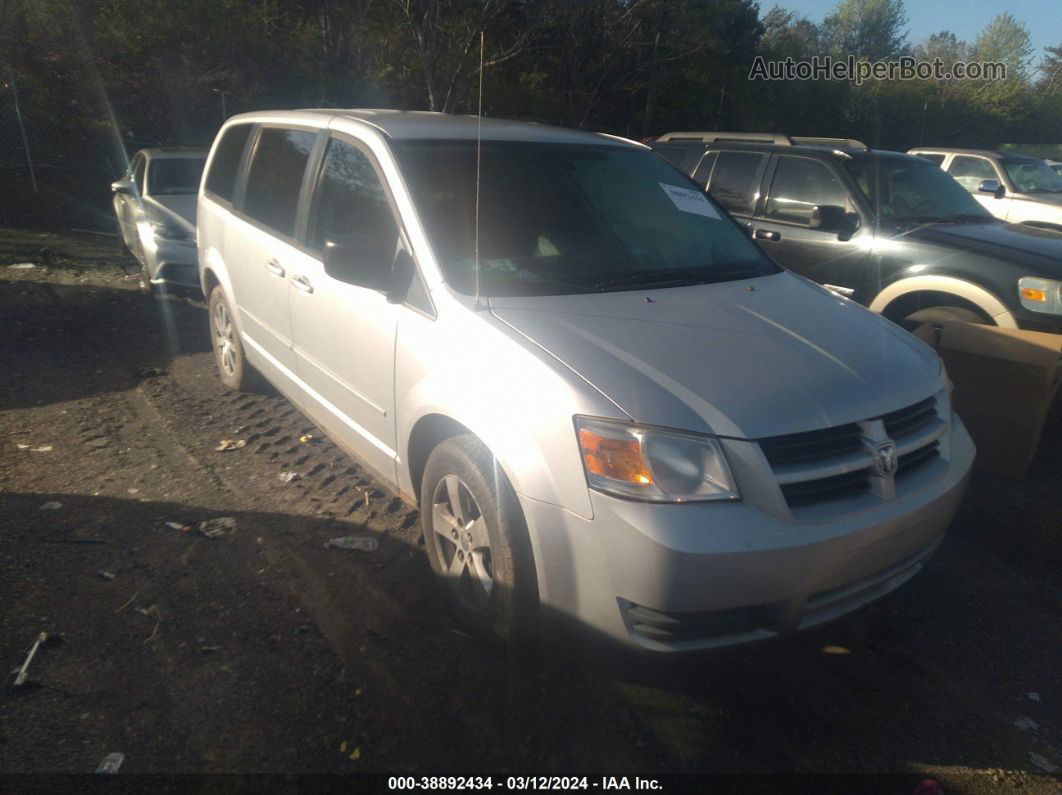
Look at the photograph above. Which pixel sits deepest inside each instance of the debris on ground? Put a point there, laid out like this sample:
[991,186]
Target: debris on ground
[152,612]
[1033,696]
[22,266]
[107,575]
[1043,762]
[362,543]
[215,528]
[51,505]
[353,755]
[184,528]
[44,448]
[306,438]
[1025,724]
[110,764]
[43,639]
[287,477]
[230,444]
[150,372]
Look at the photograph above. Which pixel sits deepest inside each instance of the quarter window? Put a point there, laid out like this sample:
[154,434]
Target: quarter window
[971,171]
[275,177]
[799,185]
[734,180]
[351,200]
[221,181]
[704,169]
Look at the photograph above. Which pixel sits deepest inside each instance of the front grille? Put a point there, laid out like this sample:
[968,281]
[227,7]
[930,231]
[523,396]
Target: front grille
[830,464]
[908,420]
[797,448]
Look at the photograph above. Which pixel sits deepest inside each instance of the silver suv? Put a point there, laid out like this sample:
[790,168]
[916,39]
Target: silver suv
[609,405]
[1015,188]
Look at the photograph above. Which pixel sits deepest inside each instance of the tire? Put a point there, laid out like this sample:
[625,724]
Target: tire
[480,552]
[942,313]
[233,368]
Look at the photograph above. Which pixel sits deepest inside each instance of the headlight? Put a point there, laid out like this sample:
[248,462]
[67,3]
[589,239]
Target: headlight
[167,231]
[1040,295]
[651,464]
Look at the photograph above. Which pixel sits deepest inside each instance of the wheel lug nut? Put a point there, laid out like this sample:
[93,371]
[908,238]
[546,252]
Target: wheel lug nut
[460,554]
[454,534]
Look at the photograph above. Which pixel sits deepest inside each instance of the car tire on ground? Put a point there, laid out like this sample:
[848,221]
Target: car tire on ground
[477,541]
[235,371]
[941,313]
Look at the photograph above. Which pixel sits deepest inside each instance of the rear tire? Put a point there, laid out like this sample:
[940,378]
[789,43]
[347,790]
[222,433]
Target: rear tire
[937,314]
[477,541]
[233,368]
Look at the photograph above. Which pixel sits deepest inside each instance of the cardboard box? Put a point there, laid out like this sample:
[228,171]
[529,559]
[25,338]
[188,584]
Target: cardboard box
[1005,380]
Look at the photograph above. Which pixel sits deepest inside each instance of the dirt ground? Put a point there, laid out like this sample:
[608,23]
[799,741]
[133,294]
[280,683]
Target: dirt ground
[261,650]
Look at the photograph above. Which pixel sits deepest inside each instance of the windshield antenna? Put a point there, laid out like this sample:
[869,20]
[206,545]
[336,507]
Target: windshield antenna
[479,146]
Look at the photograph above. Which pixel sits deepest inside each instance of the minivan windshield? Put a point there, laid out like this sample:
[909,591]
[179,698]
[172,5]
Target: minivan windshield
[570,218]
[910,189]
[169,175]
[1032,176]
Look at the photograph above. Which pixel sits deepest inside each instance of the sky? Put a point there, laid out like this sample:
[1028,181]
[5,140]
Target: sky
[964,18]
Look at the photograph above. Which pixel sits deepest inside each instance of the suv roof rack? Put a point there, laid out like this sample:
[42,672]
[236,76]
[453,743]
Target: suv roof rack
[775,139]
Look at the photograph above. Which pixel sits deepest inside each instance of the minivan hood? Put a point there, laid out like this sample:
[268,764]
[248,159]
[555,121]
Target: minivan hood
[1021,244]
[178,207]
[745,359]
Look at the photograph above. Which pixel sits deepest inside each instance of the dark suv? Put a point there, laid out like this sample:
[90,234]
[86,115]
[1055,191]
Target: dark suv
[889,230]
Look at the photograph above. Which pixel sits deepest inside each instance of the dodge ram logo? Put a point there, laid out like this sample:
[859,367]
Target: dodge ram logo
[885,460]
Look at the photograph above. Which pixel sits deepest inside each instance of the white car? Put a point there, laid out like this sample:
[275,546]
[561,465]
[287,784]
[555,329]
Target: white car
[1014,188]
[155,203]
[611,407]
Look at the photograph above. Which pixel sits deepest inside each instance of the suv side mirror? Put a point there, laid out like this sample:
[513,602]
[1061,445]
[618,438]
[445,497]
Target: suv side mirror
[833,218]
[991,186]
[125,186]
[361,260]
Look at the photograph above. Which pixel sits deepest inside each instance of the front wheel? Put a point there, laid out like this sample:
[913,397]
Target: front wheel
[936,314]
[477,541]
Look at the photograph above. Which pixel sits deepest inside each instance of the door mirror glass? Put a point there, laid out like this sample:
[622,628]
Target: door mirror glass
[124,186]
[991,186]
[833,218]
[359,259]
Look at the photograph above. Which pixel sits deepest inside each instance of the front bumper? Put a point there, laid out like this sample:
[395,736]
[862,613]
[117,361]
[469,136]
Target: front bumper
[680,578]
[172,262]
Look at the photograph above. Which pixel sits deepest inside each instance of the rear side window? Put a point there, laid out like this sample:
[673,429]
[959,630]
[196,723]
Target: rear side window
[221,181]
[970,171]
[274,178]
[704,169]
[800,184]
[735,180]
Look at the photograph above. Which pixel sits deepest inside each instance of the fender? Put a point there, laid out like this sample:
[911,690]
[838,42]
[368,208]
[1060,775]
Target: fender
[968,291]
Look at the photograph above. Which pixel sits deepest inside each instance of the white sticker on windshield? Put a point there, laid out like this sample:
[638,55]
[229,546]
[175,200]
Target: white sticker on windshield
[690,201]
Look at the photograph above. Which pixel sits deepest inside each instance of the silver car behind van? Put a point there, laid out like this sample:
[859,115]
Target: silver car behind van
[609,405]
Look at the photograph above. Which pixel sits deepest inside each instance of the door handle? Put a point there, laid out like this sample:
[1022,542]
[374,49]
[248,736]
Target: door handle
[302,283]
[274,268]
[766,234]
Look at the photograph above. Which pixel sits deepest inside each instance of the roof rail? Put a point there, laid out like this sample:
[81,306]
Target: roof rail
[775,139]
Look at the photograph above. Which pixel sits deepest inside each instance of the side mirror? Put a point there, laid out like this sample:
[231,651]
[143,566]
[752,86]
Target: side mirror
[125,186]
[833,218]
[361,260]
[992,186]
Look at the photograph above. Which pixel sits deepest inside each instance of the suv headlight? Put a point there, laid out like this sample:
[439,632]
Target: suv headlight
[164,230]
[652,464]
[1040,295]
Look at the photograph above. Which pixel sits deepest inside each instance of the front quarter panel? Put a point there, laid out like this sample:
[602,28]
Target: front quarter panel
[469,367]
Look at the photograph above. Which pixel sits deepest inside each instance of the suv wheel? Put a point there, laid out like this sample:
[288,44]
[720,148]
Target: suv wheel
[236,373]
[941,313]
[477,541]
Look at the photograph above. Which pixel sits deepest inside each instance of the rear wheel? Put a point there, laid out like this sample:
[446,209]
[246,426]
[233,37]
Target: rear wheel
[477,540]
[236,373]
[936,314]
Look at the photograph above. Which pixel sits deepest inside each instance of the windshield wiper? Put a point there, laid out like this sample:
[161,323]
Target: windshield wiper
[676,276]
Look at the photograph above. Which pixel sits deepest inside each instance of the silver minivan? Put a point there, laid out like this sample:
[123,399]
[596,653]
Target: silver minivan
[609,405]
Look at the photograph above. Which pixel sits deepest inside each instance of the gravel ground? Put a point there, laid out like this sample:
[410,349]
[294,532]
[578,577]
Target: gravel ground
[261,650]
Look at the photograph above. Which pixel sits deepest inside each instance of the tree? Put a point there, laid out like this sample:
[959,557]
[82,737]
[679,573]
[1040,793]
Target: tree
[867,29]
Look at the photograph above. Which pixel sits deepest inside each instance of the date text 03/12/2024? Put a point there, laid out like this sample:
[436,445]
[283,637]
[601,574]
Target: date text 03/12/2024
[522,783]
